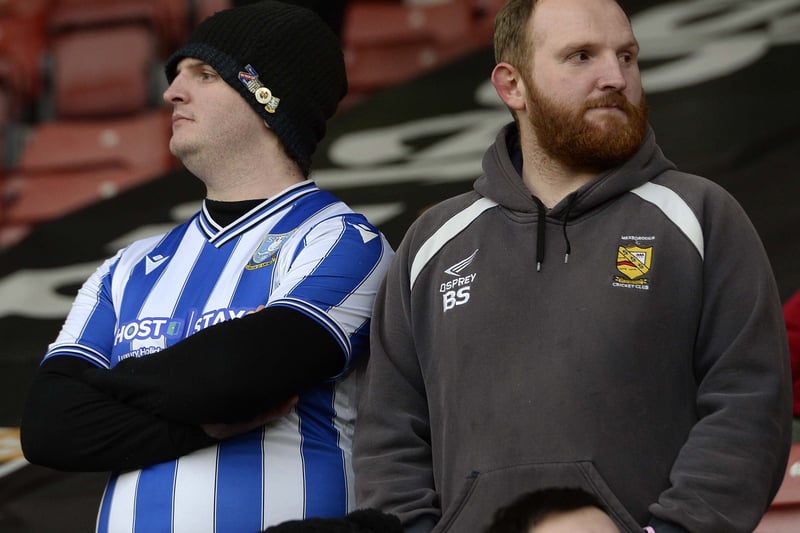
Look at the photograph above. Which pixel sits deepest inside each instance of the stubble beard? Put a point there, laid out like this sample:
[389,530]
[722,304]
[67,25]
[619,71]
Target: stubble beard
[179,148]
[190,155]
[580,144]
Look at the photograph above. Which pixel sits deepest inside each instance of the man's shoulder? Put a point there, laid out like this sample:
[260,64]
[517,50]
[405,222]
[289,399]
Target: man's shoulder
[142,246]
[445,210]
[699,192]
[681,181]
[444,220]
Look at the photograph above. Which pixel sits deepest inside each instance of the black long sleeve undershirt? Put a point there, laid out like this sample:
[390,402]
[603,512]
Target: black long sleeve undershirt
[144,411]
[69,425]
[230,372]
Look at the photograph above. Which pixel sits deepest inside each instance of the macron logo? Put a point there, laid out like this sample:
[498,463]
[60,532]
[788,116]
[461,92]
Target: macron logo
[459,267]
[366,232]
[152,263]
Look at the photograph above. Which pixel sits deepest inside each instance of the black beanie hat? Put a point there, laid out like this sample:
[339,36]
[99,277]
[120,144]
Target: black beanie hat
[284,61]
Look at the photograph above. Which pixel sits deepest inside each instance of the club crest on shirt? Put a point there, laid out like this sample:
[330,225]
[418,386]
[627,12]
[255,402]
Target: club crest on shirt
[634,263]
[267,252]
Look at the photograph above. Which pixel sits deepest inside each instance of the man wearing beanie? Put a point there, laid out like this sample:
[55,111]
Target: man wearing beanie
[213,369]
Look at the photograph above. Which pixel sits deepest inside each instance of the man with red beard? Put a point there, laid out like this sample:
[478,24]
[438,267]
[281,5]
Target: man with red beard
[588,316]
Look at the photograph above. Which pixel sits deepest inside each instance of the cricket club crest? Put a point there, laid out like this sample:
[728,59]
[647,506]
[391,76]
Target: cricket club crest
[634,263]
[267,252]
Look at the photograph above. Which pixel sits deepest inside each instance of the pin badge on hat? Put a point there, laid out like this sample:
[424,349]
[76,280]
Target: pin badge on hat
[254,85]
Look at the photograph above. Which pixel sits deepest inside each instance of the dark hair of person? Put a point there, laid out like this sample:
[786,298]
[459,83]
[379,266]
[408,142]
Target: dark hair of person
[531,508]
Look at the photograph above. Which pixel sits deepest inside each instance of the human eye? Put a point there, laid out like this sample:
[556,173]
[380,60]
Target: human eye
[208,75]
[580,56]
[628,58]
[629,54]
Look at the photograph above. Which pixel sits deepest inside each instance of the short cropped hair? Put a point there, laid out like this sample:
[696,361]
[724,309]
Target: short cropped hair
[510,38]
[532,508]
[511,41]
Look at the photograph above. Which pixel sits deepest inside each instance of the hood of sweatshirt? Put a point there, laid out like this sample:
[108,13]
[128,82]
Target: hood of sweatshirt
[501,180]
[502,183]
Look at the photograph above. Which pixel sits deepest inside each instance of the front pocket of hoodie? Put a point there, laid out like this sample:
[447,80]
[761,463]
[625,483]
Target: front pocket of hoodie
[482,493]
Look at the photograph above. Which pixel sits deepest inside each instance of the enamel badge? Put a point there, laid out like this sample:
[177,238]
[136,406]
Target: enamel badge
[249,78]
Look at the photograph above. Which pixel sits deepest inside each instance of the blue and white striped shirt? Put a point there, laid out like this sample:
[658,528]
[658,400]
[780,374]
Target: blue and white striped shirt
[302,249]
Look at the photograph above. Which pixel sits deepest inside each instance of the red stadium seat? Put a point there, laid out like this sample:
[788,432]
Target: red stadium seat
[68,165]
[371,68]
[206,8]
[173,19]
[23,45]
[139,142]
[51,195]
[377,23]
[24,8]
[71,14]
[386,43]
[104,51]
[102,55]
[103,71]
[100,126]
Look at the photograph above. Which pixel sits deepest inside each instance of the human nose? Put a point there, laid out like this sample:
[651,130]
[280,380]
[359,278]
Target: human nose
[612,74]
[174,93]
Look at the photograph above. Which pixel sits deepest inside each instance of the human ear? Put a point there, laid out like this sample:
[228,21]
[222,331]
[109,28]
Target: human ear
[510,87]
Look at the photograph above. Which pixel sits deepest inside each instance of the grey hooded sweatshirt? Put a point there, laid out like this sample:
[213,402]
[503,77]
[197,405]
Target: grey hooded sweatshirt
[650,368]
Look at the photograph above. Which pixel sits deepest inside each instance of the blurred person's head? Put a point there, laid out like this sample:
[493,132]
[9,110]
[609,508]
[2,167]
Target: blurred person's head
[555,510]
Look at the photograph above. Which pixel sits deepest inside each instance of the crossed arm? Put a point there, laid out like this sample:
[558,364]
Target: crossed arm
[220,382]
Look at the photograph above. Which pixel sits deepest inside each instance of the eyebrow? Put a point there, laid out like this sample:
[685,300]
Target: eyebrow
[581,45]
[190,63]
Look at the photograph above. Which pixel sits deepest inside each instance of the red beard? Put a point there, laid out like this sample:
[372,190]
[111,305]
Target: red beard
[582,145]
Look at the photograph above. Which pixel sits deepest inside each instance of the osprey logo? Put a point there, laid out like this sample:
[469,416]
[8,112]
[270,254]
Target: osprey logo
[457,291]
[456,269]
[152,263]
[634,263]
